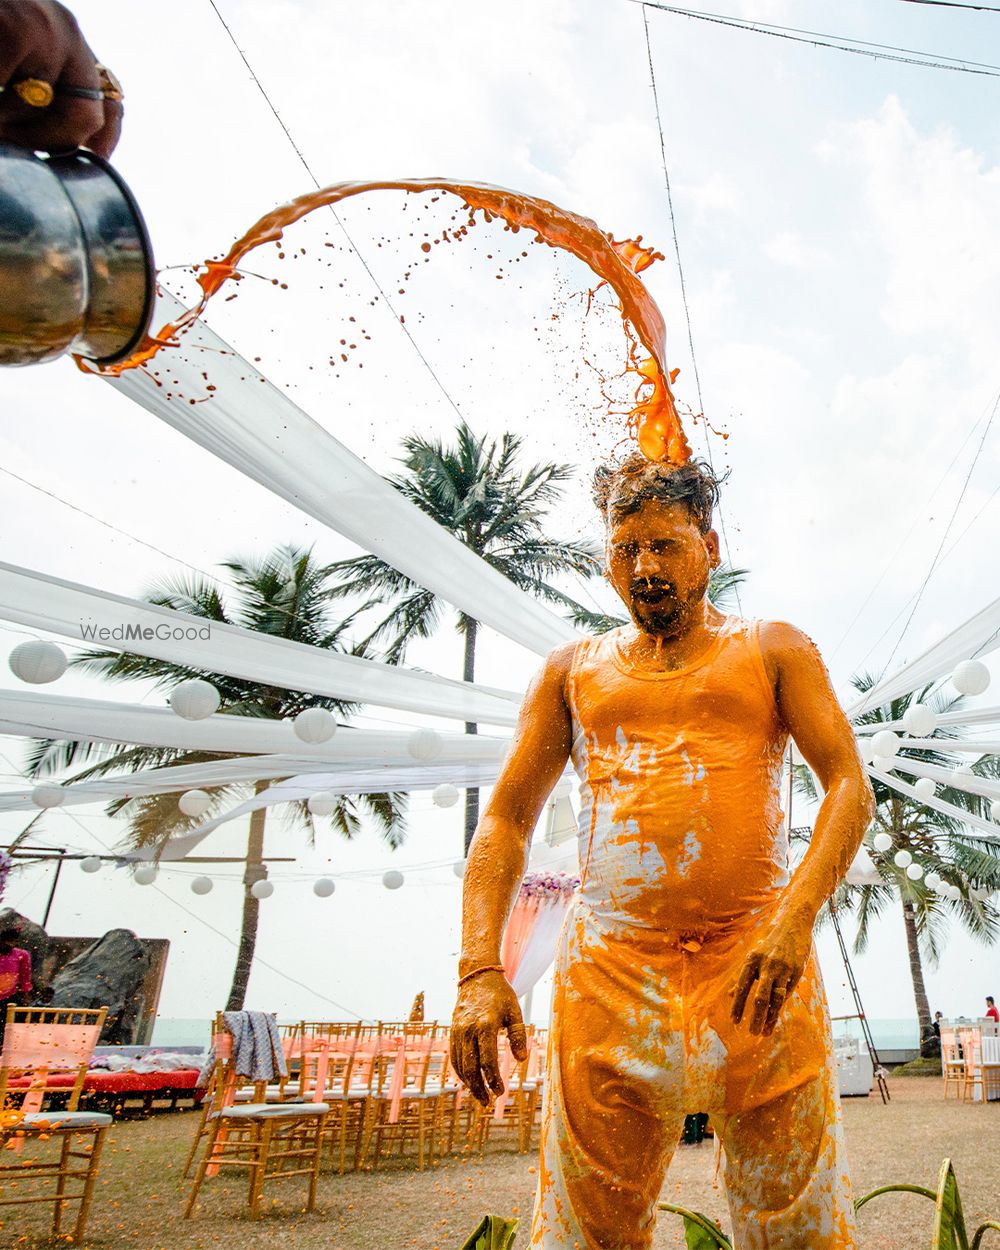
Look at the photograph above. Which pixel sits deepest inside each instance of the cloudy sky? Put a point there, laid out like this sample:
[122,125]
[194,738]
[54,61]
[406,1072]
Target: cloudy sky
[836,222]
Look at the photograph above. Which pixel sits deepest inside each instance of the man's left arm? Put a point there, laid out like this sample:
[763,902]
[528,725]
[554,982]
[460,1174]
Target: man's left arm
[823,734]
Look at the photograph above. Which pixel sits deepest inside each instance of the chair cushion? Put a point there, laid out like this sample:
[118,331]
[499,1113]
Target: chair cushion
[41,1120]
[271,1110]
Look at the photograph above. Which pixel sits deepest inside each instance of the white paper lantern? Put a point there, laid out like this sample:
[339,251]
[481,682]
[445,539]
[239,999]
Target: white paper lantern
[882,842]
[91,863]
[924,787]
[954,893]
[315,725]
[392,879]
[145,874]
[882,764]
[194,802]
[971,677]
[902,859]
[47,795]
[979,894]
[37,662]
[195,699]
[919,720]
[458,868]
[425,745]
[914,871]
[262,889]
[885,743]
[322,803]
[995,810]
[323,887]
[445,795]
[959,777]
[202,885]
[932,881]
[865,750]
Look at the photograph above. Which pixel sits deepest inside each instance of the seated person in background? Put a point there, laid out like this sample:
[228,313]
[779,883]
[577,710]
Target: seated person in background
[991,1009]
[15,975]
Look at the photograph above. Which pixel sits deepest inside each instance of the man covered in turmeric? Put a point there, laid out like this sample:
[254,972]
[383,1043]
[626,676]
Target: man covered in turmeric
[685,978]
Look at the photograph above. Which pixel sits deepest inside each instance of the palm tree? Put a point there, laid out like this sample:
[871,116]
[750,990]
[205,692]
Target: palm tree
[285,594]
[476,489]
[938,842]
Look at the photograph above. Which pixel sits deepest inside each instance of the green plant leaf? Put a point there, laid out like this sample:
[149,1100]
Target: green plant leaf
[494,1233]
[700,1233]
[949,1223]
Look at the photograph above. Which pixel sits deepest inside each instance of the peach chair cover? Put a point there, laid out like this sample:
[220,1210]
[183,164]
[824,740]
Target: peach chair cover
[45,1047]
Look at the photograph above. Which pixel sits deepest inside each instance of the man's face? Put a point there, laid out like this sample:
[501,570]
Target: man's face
[659,563]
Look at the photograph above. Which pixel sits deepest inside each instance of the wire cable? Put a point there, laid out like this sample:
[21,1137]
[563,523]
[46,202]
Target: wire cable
[954,4]
[318,185]
[860,47]
[683,284]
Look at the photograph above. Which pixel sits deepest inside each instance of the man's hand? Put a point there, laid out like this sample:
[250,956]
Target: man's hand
[486,1004]
[771,971]
[39,39]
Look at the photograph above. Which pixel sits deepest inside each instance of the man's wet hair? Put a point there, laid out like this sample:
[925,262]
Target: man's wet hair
[623,486]
[10,934]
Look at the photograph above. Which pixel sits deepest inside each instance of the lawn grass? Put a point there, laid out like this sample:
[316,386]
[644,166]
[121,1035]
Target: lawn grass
[139,1198]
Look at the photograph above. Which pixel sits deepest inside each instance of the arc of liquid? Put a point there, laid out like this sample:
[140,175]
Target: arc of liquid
[654,419]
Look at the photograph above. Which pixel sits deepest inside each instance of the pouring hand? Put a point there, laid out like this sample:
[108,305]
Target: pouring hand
[40,40]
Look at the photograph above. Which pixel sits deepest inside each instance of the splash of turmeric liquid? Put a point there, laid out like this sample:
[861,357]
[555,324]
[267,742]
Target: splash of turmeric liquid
[654,420]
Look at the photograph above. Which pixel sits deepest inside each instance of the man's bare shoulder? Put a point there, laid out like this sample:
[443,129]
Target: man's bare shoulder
[782,643]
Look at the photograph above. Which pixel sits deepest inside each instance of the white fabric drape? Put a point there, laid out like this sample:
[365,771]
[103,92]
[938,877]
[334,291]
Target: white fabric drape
[37,715]
[251,425]
[60,607]
[540,949]
[390,774]
[970,716]
[975,638]
[992,832]
[985,787]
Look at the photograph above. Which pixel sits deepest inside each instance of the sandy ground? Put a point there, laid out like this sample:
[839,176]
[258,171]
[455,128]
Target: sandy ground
[139,1199]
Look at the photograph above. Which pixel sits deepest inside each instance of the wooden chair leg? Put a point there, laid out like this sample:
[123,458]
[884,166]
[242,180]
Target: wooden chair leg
[60,1201]
[199,1134]
[314,1174]
[199,1176]
[93,1168]
[258,1166]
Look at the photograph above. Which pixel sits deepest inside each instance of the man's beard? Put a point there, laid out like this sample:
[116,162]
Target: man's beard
[655,609]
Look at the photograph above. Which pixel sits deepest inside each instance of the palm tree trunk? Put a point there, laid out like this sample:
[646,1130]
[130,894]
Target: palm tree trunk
[916,969]
[469,674]
[255,871]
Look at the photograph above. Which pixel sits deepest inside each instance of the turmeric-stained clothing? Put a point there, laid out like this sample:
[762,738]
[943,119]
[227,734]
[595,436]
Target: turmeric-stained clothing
[682,858]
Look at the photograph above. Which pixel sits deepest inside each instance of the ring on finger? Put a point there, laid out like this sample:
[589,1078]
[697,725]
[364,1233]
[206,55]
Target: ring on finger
[35,92]
[111,88]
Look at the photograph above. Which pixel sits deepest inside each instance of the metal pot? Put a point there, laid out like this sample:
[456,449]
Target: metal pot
[76,265]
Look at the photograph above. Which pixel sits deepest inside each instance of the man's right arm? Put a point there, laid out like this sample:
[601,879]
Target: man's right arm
[497,858]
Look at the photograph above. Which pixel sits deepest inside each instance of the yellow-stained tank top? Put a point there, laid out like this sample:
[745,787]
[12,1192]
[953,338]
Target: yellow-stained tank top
[681,826]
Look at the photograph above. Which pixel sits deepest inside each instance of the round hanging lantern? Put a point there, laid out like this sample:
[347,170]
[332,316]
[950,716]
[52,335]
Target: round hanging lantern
[971,677]
[954,893]
[919,720]
[933,881]
[195,699]
[914,871]
[924,787]
[865,750]
[323,887]
[37,662]
[322,803]
[425,745]
[202,885]
[47,795]
[458,868]
[262,889]
[885,743]
[959,776]
[445,795]
[145,874]
[194,802]
[979,893]
[91,863]
[392,879]
[315,725]
[883,763]
[995,810]
[882,842]
[902,859]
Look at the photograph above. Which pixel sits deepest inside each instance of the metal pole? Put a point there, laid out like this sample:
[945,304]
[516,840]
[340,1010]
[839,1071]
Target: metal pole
[52,892]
